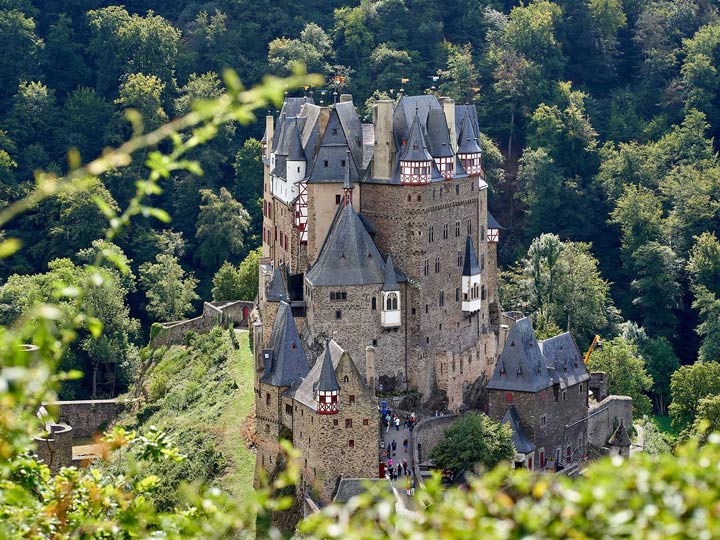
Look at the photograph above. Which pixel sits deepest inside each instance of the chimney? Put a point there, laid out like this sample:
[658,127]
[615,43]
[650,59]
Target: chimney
[448,105]
[344,98]
[370,367]
[384,146]
[269,125]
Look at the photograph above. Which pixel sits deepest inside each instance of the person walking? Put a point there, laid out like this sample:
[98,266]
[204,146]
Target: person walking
[405,445]
[408,487]
[397,423]
[405,467]
[399,469]
[387,422]
[393,446]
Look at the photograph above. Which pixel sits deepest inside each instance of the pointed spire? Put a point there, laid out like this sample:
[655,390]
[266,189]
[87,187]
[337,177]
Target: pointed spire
[415,148]
[295,149]
[278,289]
[390,283]
[347,185]
[470,266]
[287,359]
[327,381]
[467,141]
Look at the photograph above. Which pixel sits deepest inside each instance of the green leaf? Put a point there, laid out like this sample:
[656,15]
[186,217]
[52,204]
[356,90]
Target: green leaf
[9,247]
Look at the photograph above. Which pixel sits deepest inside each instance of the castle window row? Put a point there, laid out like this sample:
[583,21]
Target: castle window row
[446,231]
[338,295]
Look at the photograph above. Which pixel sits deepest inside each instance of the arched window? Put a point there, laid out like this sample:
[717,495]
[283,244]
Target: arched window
[391,303]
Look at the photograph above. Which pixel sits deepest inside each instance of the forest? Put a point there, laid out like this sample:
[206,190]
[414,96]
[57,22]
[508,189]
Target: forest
[600,120]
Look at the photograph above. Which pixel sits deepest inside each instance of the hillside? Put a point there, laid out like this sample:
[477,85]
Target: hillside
[201,395]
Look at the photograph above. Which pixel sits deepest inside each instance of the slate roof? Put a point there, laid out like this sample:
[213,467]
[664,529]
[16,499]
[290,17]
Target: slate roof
[620,437]
[467,138]
[561,353]
[352,128]
[327,382]
[304,390]
[278,287]
[522,362]
[415,148]
[287,361]
[294,146]
[406,110]
[438,136]
[390,283]
[461,111]
[520,440]
[470,265]
[349,487]
[333,150]
[291,108]
[492,222]
[348,255]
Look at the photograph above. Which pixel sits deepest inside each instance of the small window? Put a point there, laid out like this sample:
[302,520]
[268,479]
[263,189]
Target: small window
[334,131]
[441,300]
[326,163]
[564,395]
[267,399]
[351,443]
[580,389]
[445,231]
[459,258]
[431,234]
[426,308]
[335,422]
[374,342]
[338,314]
[457,294]
[543,420]
[426,267]
[345,379]
[419,198]
[288,409]
[348,423]
[412,311]
[457,229]
[351,398]
[267,428]
[298,169]
[437,265]
[373,303]
[366,422]
[427,340]
[342,163]
[457,189]
[338,199]
[509,397]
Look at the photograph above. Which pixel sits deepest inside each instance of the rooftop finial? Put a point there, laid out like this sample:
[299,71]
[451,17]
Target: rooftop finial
[347,186]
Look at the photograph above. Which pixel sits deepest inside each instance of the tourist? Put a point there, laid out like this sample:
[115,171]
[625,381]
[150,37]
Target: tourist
[397,423]
[412,486]
[408,487]
[393,445]
[405,445]
[399,469]
[405,467]
[387,422]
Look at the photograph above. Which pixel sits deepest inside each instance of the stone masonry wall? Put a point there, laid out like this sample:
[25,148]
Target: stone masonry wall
[343,444]
[55,450]
[426,436]
[86,417]
[358,327]
[605,416]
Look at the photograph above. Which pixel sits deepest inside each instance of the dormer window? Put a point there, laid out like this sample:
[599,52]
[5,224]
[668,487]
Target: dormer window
[519,373]
[502,371]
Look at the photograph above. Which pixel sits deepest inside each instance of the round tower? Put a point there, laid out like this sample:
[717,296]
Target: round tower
[328,389]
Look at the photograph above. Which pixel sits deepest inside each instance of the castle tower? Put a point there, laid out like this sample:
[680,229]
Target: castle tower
[470,279]
[296,162]
[391,305]
[469,151]
[439,144]
[415,160]
[328,388]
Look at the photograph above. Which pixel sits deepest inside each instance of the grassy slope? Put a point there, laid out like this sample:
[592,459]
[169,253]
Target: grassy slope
[202,395]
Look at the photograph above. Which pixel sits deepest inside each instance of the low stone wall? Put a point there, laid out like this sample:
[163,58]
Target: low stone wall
[426,435]
[214,314]
[605,416]
[86,417]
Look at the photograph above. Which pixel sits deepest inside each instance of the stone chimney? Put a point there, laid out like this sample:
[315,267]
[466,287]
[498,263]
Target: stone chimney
[344,98]
[384,146]
[370,367]
[269,127]
[448,105]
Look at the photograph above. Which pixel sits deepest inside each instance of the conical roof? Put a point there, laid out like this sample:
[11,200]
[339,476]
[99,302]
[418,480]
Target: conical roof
[415,148]
[327,381]
[470,266]
[438,136]
[287,361]
[278,288]
[390,283]
[492,223]
[620,437]
[348,256]
[467,141]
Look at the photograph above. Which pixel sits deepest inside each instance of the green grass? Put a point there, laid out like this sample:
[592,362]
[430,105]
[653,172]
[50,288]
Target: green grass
[201,395]
[664,424]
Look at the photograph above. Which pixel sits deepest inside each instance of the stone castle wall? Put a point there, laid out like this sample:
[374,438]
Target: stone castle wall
[358,327]
[86,417]
[55,450]
[605,416]
[426,436]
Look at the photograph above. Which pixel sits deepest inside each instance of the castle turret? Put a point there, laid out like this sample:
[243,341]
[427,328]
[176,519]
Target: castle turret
[390,309]
[296,162]
[440,148]
[470,279]
[469,152]
[328,388]
[415,160]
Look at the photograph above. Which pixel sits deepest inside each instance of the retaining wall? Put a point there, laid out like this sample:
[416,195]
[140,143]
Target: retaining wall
[86,417]
[605,416]
[426,435]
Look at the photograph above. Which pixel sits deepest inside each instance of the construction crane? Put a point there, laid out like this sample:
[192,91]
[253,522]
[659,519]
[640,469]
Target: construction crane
[596,344]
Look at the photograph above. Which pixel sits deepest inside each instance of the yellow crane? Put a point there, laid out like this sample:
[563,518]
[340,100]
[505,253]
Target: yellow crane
[596,344]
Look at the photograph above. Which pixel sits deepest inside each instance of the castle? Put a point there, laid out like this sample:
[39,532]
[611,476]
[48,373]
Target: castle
[379,273]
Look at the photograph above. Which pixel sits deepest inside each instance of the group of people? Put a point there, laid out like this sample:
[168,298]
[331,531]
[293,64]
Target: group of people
[394,420]
[394,472]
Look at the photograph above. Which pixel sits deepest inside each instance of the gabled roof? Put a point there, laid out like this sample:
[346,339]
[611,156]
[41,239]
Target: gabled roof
[561,353]
[521,366]
[520,440]
[390,283]
[405,111]
[620,437]
[333,149]
[492,222]
[352,128]
[470,265]
[348,255]
[291,108]
[415,148]
[278,287]
[467,138]
[287,361]
[327,382]
[438,136]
